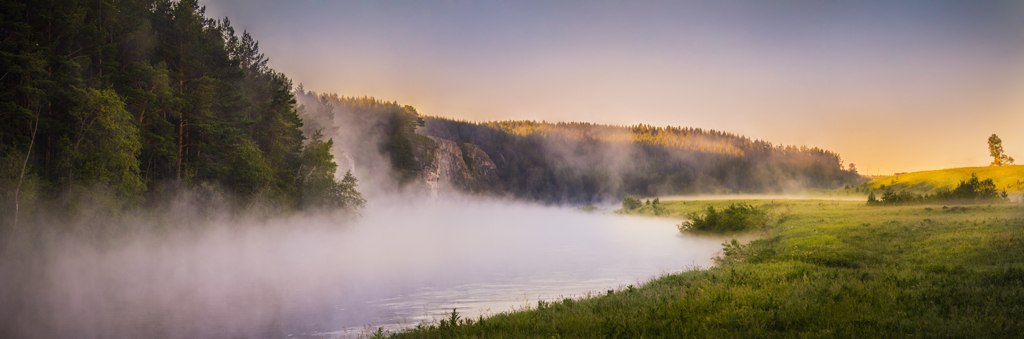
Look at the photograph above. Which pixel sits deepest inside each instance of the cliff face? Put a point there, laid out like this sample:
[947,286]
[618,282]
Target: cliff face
[447,166]
[483,171]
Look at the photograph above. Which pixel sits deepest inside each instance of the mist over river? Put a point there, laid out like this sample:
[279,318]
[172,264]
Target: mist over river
[401,263]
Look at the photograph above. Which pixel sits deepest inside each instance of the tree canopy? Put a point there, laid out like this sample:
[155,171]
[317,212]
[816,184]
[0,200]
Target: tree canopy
[995,149]
[131,95]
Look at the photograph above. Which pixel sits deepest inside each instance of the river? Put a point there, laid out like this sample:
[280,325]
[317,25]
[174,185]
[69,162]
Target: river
[485,258]
[402,263]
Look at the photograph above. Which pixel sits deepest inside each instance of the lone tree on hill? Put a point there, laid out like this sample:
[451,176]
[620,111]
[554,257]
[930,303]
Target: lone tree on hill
[995,149]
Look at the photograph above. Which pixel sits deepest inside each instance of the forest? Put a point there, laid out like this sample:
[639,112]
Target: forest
[585,162]
[565,162]
[139,98]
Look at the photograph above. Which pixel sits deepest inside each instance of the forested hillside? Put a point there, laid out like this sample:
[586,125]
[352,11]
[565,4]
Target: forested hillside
[558,162]
[588,162]
[136,97]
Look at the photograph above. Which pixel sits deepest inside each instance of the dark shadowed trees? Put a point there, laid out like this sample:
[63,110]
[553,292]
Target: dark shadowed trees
[135,94]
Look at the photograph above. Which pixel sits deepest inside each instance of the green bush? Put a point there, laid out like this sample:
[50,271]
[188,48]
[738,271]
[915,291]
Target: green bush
[737,217]
[631,203]
[973,189]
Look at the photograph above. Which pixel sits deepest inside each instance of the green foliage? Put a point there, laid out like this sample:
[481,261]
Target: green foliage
[242,167]
[105,144]
[128,95]
[316,181]
[452,321]
[583,162]
[972,189]
[401,132]
[735,218]
[656,207]
[891,196]
[1007,177]
[995,149]
[348,192]
[630,203]
[372,127]
[833,269]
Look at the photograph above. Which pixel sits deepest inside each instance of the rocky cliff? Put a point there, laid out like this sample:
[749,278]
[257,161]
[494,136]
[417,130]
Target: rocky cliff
[446,166]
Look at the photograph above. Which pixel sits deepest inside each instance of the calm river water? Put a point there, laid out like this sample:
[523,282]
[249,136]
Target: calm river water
[489,258]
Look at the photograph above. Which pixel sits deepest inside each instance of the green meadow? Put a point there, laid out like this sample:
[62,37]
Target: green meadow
[822,268]
[1008,177]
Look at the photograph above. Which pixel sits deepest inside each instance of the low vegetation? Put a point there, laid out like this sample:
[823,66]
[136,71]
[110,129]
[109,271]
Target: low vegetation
[970,190]
[829,268]
[632,204]
[735,218]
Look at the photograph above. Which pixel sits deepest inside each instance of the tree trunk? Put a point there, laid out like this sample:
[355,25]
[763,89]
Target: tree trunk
[181,131]
[24,168]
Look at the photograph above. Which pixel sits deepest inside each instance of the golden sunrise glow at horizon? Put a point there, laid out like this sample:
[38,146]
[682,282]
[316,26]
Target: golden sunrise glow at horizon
[891,86]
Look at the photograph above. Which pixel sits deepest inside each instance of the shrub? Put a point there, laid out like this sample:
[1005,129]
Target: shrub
[737,217]
[657,207]
[891,196]
[631,203]
[973,189]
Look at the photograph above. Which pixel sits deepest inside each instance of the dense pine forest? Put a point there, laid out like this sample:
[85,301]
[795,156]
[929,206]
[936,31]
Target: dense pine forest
[137,98]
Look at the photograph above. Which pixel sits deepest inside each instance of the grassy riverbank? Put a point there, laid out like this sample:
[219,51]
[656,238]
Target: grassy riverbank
[826,268]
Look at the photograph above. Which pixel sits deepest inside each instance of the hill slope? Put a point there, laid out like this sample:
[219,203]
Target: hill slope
[585,162]
[574,162]
[1009,178]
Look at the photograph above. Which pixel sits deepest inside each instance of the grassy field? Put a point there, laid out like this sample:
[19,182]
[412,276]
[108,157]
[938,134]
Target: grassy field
[1009,178]
[826,268]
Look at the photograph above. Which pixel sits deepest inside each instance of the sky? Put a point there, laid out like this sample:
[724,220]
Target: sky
[892,86]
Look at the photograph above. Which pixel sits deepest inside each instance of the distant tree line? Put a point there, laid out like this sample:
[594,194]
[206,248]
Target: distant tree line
[582,162]
[135,96]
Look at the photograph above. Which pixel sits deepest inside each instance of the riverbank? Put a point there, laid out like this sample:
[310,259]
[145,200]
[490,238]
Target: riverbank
[827,268]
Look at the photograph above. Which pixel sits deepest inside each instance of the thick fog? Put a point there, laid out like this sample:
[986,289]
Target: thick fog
[358,133]
[404,260]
